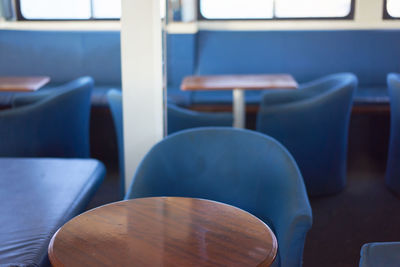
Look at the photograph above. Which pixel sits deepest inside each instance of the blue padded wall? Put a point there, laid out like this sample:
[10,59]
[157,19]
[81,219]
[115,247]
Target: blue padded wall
[180,57]
[308,55]
[62,55]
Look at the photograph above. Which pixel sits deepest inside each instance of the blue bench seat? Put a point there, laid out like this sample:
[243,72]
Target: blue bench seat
[37,197]
[364,96]
[307,55]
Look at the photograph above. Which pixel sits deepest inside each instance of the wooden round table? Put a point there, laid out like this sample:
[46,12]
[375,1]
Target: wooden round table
[164,231]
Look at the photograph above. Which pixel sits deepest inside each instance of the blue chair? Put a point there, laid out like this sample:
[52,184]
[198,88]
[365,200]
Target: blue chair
[312,123]
[238,167]
[178,119]
[52,124]
[380,254]
[114,98]
[393,164]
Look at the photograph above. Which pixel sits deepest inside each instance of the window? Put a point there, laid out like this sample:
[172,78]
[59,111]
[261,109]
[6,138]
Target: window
[392,9]
[275,9]
[69,9]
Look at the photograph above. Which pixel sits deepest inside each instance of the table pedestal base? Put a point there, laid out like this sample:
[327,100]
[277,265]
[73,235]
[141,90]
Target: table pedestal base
[239,108]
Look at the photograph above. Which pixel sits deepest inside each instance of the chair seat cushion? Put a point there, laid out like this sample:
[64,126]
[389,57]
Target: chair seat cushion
[365,95]
[98,98]
[224,97]
[380,254]
[371,95]
[37,196]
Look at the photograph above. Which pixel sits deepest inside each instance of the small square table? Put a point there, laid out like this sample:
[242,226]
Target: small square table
[22,84]
[239,83]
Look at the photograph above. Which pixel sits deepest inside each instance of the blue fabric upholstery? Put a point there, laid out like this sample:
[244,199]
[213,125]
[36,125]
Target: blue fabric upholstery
[307,55]
[178,119]
[312,123]
[115,101]
[380,255]
[393,164]
[37,196]
[62,55]
[238,167]
[55,125]
[66,55]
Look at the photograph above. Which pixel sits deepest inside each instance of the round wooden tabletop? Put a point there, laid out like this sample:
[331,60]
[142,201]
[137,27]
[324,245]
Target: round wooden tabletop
[164,231]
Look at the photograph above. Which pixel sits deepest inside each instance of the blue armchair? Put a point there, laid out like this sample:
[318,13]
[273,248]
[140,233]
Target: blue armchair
[380,254]
[178,119]
[48,124]
[312,123]
[181,119]
[238,167]
[393,164]
[114,98]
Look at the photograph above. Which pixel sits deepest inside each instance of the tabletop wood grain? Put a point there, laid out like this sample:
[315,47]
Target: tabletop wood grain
[22,84]
[244,82]
[164,231]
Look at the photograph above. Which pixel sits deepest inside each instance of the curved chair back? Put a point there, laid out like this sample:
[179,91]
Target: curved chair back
[114,98]
[380,254]
[55,125]
[238,167]
[393,163]
[312,123]
[180,119]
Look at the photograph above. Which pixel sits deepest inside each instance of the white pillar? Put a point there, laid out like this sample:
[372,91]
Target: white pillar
[142,81]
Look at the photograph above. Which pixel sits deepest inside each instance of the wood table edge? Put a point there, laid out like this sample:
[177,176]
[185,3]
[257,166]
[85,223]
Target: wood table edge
[50,251]
[268,261]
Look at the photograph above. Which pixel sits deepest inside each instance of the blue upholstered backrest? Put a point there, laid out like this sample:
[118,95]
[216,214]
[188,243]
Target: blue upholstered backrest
[308,55]
[393,163]
[114,98]
[238,167]
[312,123]
[55,126]
[62,55]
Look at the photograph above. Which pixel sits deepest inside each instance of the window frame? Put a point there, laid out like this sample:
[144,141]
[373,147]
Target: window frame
[386,15]
[350,16]
[20,16]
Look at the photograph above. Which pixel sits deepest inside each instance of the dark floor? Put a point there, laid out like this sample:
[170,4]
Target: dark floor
[364,212]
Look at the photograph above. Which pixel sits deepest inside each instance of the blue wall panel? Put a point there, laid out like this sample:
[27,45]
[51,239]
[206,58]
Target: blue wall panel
[305,54]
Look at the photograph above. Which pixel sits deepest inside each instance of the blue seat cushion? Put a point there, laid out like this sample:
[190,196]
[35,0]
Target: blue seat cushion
[380,254]
[224,97]
[37,196]
[370,95]
[178,97]
[98,98]
[365,95]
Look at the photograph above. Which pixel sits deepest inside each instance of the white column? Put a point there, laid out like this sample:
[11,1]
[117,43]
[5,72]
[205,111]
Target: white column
[142,81]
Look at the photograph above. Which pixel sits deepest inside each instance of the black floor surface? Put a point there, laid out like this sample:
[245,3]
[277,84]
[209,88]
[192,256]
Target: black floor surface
[366,211]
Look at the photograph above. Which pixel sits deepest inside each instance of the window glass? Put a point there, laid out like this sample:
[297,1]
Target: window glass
[106,9]
[237,9]
[70,9]
[55,9]
[312,8]
[268,9]
[393,8]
